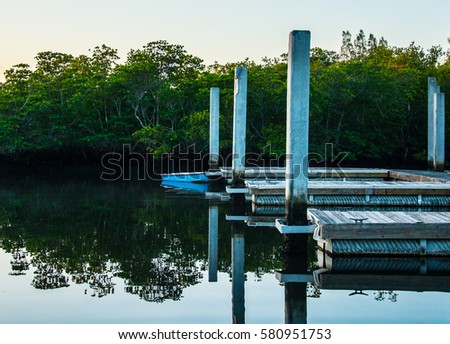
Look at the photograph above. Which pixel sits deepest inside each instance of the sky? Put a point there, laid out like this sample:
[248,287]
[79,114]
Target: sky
[223,31]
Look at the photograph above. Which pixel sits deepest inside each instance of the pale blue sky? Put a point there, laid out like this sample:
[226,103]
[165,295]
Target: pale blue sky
[223,31]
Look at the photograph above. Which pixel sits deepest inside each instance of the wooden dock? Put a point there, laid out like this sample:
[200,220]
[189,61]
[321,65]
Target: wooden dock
[334,188]
[374,232]
[357,193]
[255,173]
[349,228]
[381,225]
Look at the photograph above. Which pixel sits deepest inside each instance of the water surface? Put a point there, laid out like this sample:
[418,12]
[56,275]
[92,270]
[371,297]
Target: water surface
[74,249]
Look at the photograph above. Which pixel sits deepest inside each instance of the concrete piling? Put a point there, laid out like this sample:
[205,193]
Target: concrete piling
[214,111]
[439,156]
[432,85]
[436,127]
[297,128]
[239,127]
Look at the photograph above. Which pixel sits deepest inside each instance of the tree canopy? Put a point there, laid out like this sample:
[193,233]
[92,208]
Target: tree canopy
[369,100]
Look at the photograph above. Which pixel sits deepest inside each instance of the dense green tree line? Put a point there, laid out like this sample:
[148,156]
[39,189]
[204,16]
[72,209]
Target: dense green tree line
[369,100]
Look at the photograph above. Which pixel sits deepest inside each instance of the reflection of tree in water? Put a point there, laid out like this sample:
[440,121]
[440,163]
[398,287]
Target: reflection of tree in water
[19,262]
[75,228]
[49,276]
[381,295]
[99,280]
[162,278]
[312,291]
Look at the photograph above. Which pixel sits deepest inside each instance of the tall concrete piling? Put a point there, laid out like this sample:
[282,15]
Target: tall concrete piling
[439,160]
[432,85]
[214,111]
[297,128]
[239,127]
[436,126]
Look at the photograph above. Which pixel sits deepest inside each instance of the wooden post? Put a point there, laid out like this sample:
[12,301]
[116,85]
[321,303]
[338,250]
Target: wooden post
[297,128]
[214,110]
[432,85]
[239,127]
[213,243]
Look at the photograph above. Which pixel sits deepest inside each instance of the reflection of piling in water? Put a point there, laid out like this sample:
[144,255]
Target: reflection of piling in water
[238,274]
[213,243]
[295,293]
[238,260]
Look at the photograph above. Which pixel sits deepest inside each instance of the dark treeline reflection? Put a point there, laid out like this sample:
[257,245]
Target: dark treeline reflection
[81,230]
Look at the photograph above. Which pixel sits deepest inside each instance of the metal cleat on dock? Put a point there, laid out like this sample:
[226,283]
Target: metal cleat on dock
[359,220]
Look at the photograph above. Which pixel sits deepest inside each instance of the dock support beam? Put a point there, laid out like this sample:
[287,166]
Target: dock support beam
[239,127]
[297,128]
[436,126]
[214,110]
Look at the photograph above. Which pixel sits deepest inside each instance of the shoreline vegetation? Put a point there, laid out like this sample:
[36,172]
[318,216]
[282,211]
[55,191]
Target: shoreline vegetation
[368,100]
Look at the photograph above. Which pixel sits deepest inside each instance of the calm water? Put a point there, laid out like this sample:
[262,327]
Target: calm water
[74,249]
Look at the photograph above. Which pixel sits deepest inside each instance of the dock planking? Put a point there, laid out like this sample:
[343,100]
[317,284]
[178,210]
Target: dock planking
[256,172]
[419,176]
[261,173]
[344,188]
[381,225]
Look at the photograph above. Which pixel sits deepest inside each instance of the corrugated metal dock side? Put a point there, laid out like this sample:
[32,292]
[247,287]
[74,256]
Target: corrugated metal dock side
[357,201]
[377,264]
[389,246]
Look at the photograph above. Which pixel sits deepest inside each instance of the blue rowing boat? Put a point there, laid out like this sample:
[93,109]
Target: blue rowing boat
[188,177]
[186,186]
